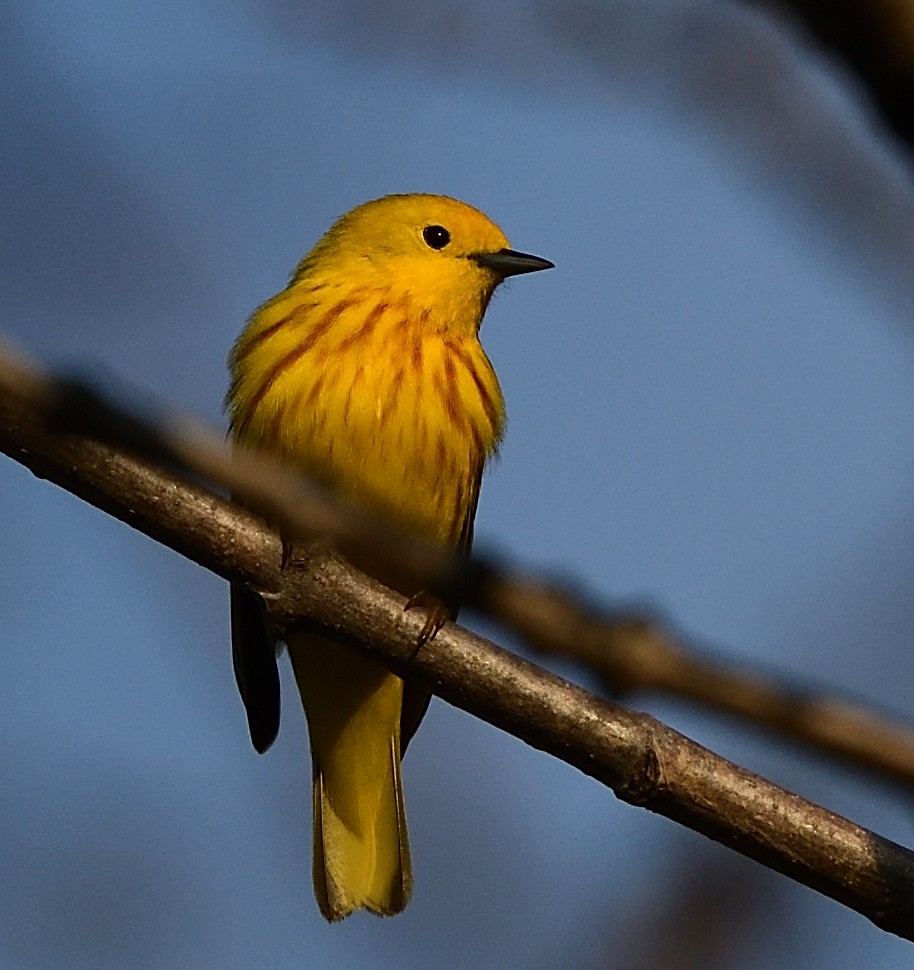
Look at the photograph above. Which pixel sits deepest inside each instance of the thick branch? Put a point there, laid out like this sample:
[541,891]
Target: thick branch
[634,655]
[642,760]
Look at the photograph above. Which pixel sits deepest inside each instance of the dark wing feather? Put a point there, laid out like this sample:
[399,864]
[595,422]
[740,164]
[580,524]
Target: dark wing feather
[254,660]
[465,542]
[416,697]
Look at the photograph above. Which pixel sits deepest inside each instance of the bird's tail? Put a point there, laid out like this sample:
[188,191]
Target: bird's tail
[361,850]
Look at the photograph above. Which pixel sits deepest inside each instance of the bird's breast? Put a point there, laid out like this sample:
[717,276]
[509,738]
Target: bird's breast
[394,415]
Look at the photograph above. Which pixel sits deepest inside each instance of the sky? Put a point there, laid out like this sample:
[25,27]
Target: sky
[711,405]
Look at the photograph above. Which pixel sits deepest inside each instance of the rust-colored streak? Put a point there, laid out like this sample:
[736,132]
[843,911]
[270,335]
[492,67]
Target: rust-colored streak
[458,511]
[421,438]
[273,437]
[347,404]
[441,456]
[476,455]
[365,331]
[488,405]
[448,389]
[397,381]
[243,351]
[405,327]
[393,392]
[295,355]
[416,355]
[313,395]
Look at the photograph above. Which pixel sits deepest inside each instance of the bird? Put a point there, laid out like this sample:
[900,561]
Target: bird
[367,374]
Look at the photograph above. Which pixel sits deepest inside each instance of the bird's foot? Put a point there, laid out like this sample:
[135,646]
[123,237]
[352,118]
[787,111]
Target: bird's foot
[438,615]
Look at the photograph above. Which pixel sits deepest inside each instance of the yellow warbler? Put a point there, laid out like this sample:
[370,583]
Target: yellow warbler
[367,373]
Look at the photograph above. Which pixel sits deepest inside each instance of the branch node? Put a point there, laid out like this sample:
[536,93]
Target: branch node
[646,779]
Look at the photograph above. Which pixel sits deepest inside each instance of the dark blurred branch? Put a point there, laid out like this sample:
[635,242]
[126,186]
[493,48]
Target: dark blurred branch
[712,915]
[642,760]
[643,656]
[875,38]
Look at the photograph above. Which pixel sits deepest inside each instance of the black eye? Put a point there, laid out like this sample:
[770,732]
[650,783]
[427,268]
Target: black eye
[436,236]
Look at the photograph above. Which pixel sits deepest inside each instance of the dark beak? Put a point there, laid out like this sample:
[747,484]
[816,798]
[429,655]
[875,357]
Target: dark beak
[507,262]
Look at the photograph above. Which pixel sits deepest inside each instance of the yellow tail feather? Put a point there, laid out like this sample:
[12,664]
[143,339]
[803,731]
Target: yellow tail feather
[361,850]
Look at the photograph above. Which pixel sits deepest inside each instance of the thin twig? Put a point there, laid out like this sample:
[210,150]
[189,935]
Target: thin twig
[632,654]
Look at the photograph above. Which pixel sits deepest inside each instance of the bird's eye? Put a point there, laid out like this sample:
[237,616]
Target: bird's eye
[436,236]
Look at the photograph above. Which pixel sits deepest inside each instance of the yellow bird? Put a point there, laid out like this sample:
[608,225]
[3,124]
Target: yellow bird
[367,373]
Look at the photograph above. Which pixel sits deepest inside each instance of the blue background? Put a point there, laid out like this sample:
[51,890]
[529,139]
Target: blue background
[711,408]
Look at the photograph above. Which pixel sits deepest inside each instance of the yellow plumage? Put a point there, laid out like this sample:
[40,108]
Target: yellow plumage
[367,373]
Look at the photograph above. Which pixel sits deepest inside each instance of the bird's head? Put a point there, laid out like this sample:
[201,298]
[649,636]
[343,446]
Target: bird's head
[438,254]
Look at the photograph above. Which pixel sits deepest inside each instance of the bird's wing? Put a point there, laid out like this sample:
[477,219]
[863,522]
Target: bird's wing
[416,697]
[254,660]
[465,540]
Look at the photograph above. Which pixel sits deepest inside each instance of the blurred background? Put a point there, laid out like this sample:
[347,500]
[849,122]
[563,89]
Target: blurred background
[711,406]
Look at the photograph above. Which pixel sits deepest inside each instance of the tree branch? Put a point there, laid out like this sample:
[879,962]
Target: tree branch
[875,38]
[633,654]
[642,760]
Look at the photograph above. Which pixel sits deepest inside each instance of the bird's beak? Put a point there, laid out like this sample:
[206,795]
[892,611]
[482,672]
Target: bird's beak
[507,262]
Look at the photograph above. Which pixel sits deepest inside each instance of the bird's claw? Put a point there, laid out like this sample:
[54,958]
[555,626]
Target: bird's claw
[438,615]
